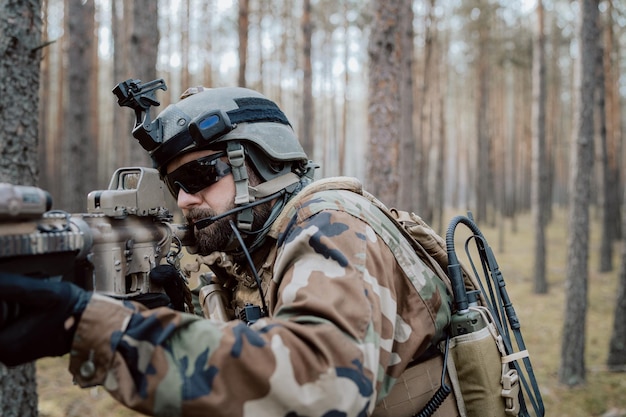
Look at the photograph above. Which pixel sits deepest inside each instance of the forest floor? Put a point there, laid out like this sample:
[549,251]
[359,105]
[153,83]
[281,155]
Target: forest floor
[541,318]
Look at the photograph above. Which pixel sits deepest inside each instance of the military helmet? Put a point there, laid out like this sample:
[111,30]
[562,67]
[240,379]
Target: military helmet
[209,118]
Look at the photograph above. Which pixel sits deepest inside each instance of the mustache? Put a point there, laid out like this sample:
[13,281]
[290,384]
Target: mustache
[197,213]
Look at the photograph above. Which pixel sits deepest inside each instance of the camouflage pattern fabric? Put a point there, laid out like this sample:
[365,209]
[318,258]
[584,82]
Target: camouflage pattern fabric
[351,305]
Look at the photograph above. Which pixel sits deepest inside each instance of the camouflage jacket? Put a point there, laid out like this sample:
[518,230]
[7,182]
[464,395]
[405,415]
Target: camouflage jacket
[350,306]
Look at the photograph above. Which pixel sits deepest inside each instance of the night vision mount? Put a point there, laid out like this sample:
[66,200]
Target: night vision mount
[140,97]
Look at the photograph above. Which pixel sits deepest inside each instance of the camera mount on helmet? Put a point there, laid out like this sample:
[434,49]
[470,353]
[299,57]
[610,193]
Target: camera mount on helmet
[140,97]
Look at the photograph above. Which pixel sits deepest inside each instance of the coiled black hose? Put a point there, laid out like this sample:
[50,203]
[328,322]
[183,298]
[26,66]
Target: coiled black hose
[442,393]
[435,402]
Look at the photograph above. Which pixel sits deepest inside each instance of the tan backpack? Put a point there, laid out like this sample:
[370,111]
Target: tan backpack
[485,378]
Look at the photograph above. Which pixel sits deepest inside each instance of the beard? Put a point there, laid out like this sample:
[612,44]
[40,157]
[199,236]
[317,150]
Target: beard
[219,236]
[213,237]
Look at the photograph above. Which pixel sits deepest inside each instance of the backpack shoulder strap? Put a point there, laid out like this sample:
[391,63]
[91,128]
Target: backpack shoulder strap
[427,243]
[331,183]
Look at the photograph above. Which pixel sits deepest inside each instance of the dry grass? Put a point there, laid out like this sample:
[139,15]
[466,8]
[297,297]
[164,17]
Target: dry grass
[540,317]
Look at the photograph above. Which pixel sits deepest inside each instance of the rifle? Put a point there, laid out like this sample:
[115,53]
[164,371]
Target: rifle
[126,232]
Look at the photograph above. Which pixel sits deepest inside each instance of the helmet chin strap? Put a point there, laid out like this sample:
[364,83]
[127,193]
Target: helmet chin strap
[236,157]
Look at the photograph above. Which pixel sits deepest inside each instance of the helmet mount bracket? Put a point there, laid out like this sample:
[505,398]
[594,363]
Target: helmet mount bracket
[140,97]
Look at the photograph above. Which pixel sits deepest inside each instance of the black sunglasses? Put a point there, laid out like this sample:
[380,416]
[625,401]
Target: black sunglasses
[197,175]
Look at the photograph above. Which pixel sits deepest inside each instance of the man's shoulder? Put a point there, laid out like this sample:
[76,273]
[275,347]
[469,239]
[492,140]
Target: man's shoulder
[345,198]
[339,194]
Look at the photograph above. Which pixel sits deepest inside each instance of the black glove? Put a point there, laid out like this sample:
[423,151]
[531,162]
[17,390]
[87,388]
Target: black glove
[33,313]
[151,299]
[168,277]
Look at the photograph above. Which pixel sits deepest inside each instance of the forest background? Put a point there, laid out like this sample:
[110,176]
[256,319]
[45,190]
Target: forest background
[512,109]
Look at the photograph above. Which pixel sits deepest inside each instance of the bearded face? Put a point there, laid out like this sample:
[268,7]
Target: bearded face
[213,237]
[219,235]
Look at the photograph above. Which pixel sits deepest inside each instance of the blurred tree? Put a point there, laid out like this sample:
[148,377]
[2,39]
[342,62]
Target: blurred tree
[20,56]
[308,110]
[441,171]
[185,45]
[44,79]
[607,224]
[119,143]
[558,117]
[572,367]
[244,6]
[480,21]
[206,42]
[81,133]
[615,140]
[416,151]
[617,346]
[260,12]
[611,147]
[51,126]
[387,77]
[143,49]
[540,198]
[412,180]
[483,137]
[343,138]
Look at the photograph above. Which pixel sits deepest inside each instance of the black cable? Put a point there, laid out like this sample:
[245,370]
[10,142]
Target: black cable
[207,221]
[494,278]
[442,393]
[252,267]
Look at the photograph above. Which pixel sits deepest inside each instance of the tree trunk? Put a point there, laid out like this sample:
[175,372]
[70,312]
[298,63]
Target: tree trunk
[243,40]
[44,103]
[185,18]
[613,122]
[482,128]
[384,109]
[540,198]
[259,41]
[572,369]
[607,223]
[442,140]
[144,43]
[206,9]
[79,142]
[20,56]
[617,347]
[613,125]
[123,119]
[408,159]
[308,111]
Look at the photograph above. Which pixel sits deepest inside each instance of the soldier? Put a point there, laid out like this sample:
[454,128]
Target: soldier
[326,303]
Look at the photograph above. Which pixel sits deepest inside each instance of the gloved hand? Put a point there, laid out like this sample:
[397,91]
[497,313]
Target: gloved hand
[168,277]
[34,315]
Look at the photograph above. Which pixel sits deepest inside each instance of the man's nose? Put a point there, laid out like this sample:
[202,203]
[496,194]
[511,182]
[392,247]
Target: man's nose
[186,200]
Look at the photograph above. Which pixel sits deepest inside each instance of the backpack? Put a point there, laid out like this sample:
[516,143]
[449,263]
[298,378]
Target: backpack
[481,363]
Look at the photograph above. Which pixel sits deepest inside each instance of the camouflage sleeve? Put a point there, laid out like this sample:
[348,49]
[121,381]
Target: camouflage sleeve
[335,332]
